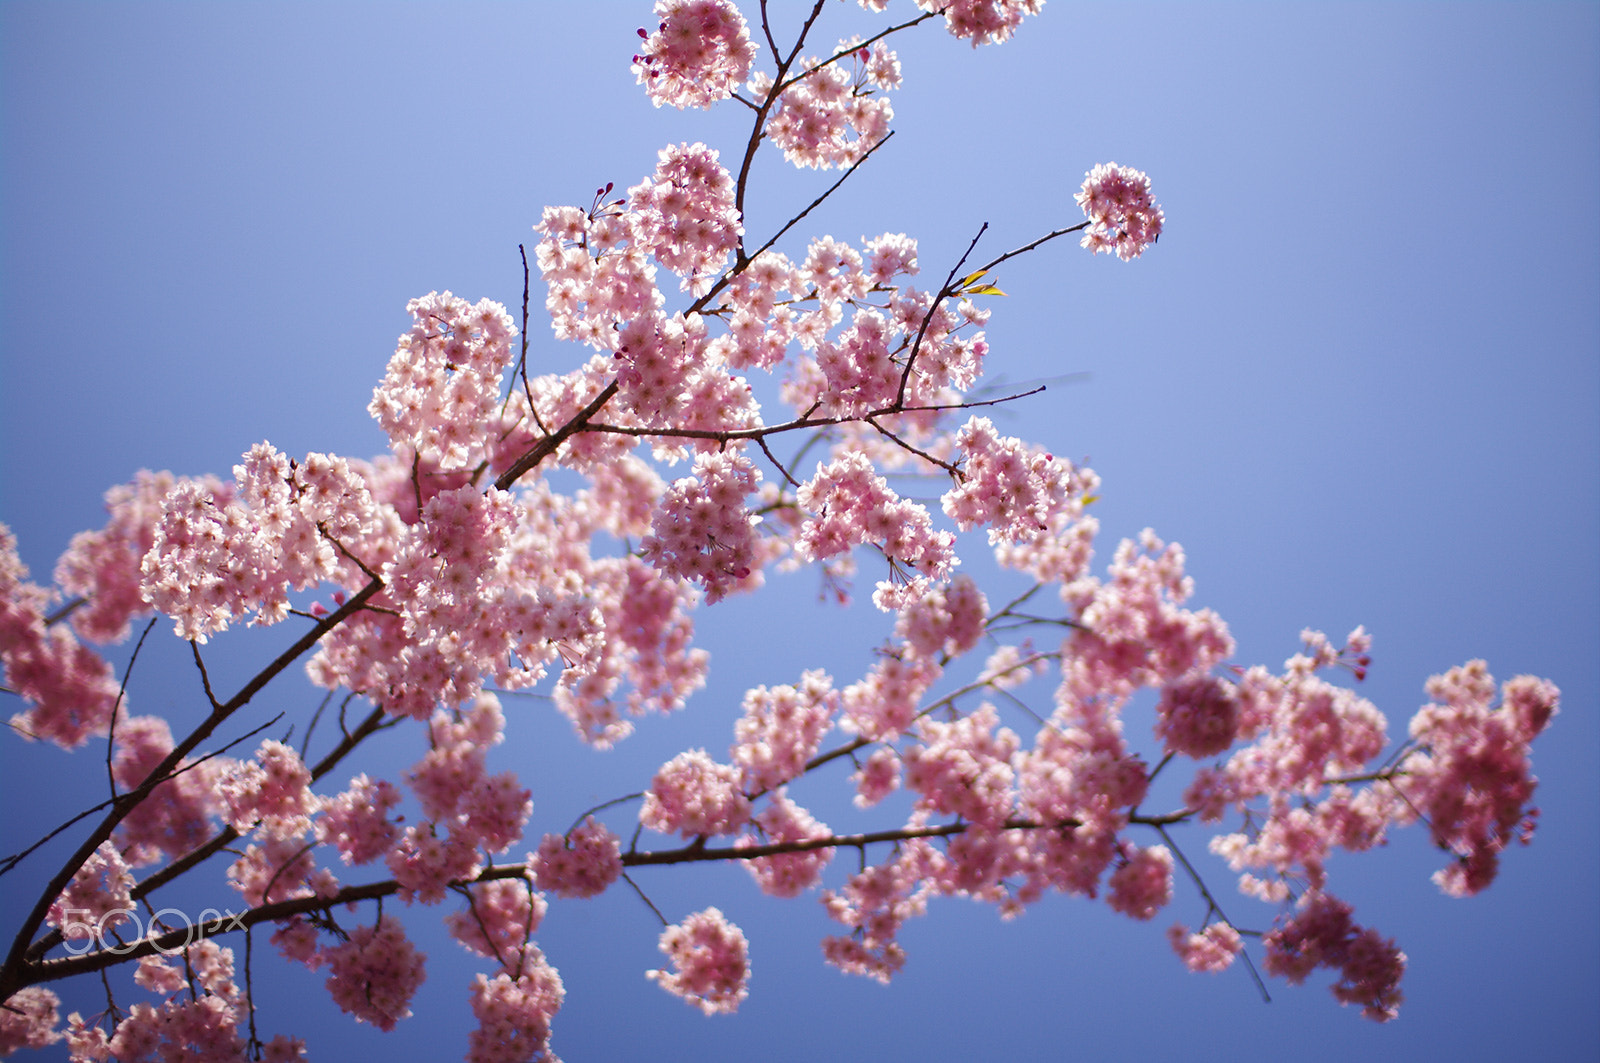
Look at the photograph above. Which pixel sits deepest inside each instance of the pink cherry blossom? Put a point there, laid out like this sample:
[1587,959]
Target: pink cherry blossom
[963,767]
[356,821]
[712,961]
[702,530]
[69,689]
[1322,934]
[1142,885]
[1124,220]
[584,863]
[686,216]
[1198,716]
[28,1020]
[983,21]
[693,794]
[514,1013]
[1471,780]
[832,115]
[1211,950]
[700,53]
[273,787]
[499,921]
[91,904]
[787,874]
[375,973]
[443,381]
[781,729]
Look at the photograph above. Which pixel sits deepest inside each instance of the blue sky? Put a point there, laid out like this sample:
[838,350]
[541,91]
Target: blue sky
[1358,379]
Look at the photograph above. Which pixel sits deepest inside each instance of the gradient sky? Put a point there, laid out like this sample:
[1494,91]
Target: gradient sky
[1358,379]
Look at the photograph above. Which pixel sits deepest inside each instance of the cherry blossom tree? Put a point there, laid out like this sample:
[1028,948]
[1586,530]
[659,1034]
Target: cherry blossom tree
[744,402]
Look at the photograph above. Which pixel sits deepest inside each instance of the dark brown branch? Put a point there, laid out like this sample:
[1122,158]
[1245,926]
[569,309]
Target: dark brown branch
[551,443]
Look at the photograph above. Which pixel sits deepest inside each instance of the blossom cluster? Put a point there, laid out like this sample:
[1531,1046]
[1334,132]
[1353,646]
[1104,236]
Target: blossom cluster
[979,21]
[69,689]
[712,961]
[702,531]
[699,54]
[442,384]
[582,863]
[832,115]
[1322,934]
[208,1022]
[851,505]
[686,216]
[1124,219]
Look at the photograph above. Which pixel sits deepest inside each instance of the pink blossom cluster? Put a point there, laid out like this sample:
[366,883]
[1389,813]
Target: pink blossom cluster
[702,531]
[357,823]
[877,777]
[649,637]
[1123,218]
[274,787]
[781,729]
[1198,715]
[874,904]
[948,619]
[99,890]
[102,566]
[982,21]
[443,383]
[887,699]
[514,1012]
[1012,488]
[700,53]
[1322,934]
[582,863]
[1210,951]
[903,338]
[787,874]
[1472,780]
[499,921]
[655,357]
[595,280]
[760,321]
[69,689]
[686,215]
[158,975]
[831,114]
[1081,775]
[278,866]
[851,505]
[1142,884]
[468,604]
[214,558]
[466,808]
[1059,553]
[29,1020]
[204,1024]
[1132,631]
[963,767]
[176,815]
[859,373]
[712,961]
[693,794]
[375,972]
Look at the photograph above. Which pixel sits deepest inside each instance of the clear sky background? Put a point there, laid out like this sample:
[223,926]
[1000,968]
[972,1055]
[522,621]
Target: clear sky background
[1358,379]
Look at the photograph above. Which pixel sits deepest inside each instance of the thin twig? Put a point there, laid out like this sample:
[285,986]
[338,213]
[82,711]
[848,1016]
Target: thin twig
[122,691]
